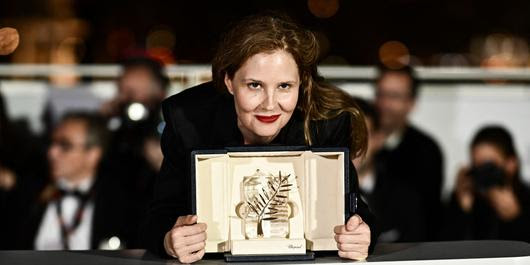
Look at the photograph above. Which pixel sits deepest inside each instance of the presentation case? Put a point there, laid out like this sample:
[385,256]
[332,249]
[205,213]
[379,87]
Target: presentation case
[271,203]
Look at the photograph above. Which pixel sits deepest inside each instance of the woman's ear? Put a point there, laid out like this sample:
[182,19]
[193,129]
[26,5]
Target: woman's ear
[228,84]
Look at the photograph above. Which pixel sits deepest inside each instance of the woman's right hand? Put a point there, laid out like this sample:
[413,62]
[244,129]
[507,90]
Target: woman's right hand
[186,240]
[464,190]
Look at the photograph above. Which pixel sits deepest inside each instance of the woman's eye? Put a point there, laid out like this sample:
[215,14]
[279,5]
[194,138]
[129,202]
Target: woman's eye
[285,86]
[254,85]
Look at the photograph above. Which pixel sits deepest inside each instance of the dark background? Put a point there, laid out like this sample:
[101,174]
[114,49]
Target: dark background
[354,33]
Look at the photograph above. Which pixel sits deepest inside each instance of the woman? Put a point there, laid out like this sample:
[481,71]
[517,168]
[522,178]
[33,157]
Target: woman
[265,90]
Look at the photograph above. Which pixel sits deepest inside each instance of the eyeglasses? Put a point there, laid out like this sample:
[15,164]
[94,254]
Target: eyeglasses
[65,145]
[393,96]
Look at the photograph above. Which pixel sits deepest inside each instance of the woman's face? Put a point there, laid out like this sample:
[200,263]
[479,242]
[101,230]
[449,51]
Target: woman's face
[265,91]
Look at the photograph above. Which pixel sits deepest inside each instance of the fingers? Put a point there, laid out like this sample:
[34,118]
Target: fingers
[192,257]
[191,253]
[189,230]
[191,249]
[353,222]
[341,229]
[186,235]
[353,255]
[188,250]
[186,220]
[353,244]
[180,221]
[168,245]
[186,240]
[191,219]
[197,238]
[363,239]
[353,247]
[361,229]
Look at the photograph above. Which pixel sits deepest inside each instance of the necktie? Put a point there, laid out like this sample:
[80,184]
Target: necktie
[83,198]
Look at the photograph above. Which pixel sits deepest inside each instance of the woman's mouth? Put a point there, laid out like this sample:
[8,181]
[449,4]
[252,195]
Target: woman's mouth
[267,119]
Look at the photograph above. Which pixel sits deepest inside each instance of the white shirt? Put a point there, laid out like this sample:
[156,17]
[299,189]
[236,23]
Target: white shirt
[49,233]
[393,140]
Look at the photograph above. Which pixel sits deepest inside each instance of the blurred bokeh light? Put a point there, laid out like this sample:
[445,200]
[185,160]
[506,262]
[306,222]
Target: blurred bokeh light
[394,54]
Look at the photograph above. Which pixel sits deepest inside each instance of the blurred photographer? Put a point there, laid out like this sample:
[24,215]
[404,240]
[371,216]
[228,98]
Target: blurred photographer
[135,120]
[490,201]
[143,81]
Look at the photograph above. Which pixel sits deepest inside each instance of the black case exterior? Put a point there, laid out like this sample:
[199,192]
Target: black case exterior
[350,198]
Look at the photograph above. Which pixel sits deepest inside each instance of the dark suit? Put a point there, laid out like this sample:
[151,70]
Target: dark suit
[203,117]
[406,197]
[113,215]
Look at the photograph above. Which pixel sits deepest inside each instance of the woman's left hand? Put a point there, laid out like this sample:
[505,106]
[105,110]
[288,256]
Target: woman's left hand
[353,239]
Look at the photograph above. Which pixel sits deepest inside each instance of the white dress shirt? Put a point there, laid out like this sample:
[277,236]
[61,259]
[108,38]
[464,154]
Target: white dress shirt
[393,140]
[49,233]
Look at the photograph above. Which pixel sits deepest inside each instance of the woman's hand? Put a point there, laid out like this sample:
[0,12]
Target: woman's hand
[353,239]
[186,240]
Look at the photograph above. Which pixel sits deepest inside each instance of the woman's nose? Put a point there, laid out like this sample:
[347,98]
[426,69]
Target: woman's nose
[270,100]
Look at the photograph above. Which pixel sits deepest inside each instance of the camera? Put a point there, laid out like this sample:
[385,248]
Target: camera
[137,117]
[487,176]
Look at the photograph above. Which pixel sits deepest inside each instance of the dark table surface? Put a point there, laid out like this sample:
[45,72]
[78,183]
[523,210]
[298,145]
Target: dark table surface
[383,252]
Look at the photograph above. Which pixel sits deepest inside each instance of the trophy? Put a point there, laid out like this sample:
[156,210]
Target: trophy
[265,204]
[266,199]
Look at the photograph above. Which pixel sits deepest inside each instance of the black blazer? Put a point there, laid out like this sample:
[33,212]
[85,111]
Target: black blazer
[113,215]
[203,117]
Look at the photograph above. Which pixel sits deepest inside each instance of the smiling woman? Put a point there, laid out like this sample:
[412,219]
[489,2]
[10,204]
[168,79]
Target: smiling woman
[265,91]
[317,100]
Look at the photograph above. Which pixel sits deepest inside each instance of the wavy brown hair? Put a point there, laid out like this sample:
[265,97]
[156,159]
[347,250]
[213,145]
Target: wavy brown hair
[318,100]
